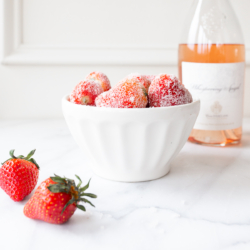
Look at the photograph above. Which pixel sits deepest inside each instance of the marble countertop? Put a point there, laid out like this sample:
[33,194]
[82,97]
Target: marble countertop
[203,203]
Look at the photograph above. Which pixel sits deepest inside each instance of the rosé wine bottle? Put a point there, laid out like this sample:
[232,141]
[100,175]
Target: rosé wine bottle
[212,67]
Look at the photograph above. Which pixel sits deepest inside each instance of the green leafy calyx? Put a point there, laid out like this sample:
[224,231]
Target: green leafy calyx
[66,185]
[27,158]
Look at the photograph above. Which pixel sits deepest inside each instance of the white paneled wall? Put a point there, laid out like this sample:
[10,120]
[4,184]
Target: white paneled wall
[103,23]
[48,46]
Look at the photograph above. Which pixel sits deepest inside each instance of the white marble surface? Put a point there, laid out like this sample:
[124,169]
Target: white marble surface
[204,203]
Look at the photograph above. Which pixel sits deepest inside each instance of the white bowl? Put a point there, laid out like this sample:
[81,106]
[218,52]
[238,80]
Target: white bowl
[130,144]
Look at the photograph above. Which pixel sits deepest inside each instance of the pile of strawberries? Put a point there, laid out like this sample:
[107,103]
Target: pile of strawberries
[54,201]
[134,91]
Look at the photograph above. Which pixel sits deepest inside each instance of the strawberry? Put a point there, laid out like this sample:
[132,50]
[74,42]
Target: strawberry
[128,93]
[56,200]
[166,90]
[100,78]
[86,92]
[19,175]
[141,79]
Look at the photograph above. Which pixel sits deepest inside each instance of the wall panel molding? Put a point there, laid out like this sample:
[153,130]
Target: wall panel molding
[15,52]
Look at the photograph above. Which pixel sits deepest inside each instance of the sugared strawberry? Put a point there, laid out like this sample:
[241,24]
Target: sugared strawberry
[19,175]
[140,78]
[166,90]
[127,94]
[56,199]
[101,78]
[86,92]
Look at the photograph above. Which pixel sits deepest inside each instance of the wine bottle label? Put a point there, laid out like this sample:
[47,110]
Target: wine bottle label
[219,86]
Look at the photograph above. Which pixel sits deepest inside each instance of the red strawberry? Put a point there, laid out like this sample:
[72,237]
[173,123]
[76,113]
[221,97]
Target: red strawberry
[101,78]
[141,79]
[129,93]
[166,90]
[19,175]
[86,92]
[56,200]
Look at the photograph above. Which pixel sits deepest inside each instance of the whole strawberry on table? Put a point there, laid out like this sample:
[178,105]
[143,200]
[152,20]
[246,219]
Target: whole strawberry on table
[56,200]
[19,175]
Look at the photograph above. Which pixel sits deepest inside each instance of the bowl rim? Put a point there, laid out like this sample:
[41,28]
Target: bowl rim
[108,109]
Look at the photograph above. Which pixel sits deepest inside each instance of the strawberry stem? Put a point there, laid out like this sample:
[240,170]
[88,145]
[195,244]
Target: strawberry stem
[27,158]
[66,185]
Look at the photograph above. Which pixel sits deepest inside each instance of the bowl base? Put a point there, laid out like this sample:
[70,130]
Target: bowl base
[134,178]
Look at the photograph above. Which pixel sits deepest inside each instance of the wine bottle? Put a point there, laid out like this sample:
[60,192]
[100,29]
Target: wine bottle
[212,67]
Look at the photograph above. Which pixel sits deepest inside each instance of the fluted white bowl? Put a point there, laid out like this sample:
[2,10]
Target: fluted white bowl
[130,144]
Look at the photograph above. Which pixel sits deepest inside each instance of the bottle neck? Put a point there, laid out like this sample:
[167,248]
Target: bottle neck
[212,22]
[213,3]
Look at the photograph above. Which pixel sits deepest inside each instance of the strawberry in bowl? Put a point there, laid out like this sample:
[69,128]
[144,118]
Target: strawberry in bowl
[86,92]
[129,93]
[100,78]
[166,90]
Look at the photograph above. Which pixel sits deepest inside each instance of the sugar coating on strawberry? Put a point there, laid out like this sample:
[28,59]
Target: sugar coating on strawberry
[86,92]
[150,77]
[140,78]
[19,175]
[166,90]
[56,199]
[101,78]
[129,93]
